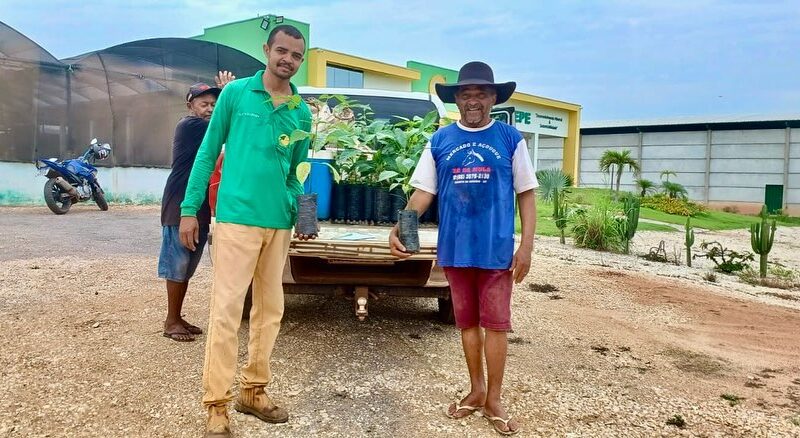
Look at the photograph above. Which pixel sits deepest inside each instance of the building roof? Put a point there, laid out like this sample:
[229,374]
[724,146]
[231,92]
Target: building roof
[14,46]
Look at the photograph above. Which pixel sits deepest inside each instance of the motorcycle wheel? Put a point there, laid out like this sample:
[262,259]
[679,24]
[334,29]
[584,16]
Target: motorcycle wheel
[100,199]
[57,203]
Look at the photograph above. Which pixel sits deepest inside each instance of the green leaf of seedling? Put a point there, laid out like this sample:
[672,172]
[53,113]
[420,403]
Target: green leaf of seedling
[400,161]
[336,176]
[429,119]
[347,154]
[294,101]
[387,174]
[302,171]
[299,135]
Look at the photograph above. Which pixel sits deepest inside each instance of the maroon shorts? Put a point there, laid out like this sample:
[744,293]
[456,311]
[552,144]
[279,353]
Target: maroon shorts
[481,297]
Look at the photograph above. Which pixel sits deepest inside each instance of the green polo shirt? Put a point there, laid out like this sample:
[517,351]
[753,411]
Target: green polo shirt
[259,183]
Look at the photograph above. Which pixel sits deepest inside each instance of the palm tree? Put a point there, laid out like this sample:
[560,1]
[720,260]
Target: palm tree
[551,181]
[617,160]
[666,173]
[674,190]
[644,186]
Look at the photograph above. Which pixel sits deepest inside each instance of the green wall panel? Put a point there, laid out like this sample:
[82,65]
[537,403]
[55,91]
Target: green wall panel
[249,37]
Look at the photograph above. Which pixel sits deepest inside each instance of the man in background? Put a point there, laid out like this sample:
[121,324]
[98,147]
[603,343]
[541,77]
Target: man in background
[176,263]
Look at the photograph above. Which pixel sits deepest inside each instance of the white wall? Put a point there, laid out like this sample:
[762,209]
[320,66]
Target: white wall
[743,162]
[793,195]
[592,148]
[21,184]
[740,162]
[551,152]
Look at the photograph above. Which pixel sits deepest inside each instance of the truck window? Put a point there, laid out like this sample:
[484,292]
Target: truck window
[388,108]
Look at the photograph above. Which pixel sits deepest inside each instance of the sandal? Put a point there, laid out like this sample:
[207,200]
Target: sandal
[193,329]
[458,406]
[493,420]
[179,336]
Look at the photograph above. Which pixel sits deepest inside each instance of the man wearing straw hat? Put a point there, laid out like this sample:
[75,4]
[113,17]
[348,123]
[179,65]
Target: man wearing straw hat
[478,167]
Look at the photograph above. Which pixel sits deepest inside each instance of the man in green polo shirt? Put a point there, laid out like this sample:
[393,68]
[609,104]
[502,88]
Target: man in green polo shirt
[256,209]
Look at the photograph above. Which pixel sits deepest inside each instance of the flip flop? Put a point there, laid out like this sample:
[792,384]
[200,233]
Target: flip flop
[193,329]
[179,336]
[452,415]
[493,420]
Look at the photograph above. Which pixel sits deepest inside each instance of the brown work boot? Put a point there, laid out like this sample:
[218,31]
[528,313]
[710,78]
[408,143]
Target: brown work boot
[254,401]
[218,425]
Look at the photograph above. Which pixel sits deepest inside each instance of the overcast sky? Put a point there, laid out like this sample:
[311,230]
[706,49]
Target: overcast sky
[618,59]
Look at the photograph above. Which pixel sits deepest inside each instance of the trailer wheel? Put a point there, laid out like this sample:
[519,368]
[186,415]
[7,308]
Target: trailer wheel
[446,311]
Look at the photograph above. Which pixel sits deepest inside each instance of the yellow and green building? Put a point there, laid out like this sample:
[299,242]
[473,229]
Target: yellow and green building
[550,126]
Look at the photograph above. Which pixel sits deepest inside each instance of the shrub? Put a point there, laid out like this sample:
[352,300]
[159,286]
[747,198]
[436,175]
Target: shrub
[732,399]
[730,209]
[726,260]
[669,205]
[779,278]
[677,421]
[710,277]
[596,228]
[550,181]
[657,253]
[674,190]
[645,186]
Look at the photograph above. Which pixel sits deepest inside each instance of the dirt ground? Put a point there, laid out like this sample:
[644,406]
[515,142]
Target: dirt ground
[617,347]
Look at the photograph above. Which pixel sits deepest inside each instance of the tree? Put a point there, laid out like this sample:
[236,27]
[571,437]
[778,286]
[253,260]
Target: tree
[645,186]
[665,174]
[612,160]
[675,190]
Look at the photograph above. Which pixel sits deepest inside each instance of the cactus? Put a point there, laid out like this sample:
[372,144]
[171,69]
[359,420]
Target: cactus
[689,241]
[630,206]
[761,237]
[560,211]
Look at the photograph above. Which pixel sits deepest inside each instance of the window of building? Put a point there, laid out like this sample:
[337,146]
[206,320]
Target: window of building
[338,77]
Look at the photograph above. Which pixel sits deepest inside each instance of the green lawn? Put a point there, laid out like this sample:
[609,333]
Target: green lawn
[712,220]
[545,226]
[715,220]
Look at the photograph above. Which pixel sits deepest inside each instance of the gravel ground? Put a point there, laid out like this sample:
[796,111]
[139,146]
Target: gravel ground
[620,347]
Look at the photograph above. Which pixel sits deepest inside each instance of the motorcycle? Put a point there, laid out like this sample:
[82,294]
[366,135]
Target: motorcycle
[72,181]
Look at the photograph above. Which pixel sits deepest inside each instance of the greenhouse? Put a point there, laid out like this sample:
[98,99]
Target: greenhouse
[130,95]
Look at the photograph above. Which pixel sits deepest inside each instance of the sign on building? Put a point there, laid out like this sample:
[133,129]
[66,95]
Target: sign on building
[503,114]
[540,120]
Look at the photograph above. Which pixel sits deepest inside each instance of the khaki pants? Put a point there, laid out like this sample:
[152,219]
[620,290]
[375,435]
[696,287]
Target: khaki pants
[242,253]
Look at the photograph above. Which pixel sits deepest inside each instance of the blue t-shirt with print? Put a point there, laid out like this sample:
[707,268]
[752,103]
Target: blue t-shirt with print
[476,195]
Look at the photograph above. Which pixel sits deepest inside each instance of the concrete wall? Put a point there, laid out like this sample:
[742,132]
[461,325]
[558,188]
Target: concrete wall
[592,148]
[551,152]
[22,185]
[793,180]
[722,168]
[682,152]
